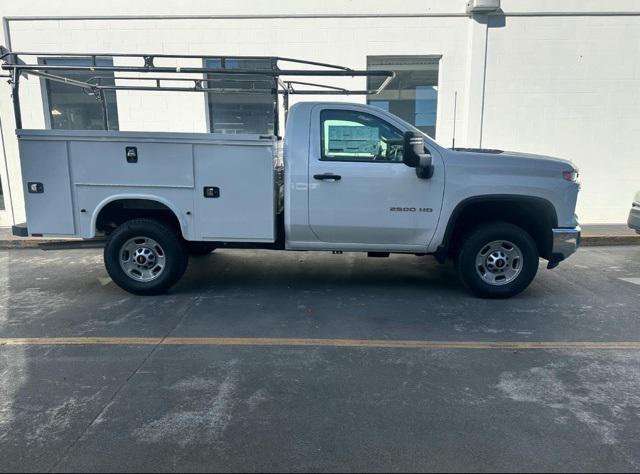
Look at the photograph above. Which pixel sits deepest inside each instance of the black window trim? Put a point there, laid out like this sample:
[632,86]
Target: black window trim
[350,160]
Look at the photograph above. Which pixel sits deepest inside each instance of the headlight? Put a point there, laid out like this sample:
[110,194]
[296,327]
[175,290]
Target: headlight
[571,175]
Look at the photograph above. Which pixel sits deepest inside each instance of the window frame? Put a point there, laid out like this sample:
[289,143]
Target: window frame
[352,160]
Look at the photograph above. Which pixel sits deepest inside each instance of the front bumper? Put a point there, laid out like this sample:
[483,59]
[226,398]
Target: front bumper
[565,242]
[634,217]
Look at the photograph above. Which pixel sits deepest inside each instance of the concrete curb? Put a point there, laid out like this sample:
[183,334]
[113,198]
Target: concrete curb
[601,240]
[26,243]
[586,241]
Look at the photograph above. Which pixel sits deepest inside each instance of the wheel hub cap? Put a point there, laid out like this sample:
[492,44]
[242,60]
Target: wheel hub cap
[499,262]
[142,259]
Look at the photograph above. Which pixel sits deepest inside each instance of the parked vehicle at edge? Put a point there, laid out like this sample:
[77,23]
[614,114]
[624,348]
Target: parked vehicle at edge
[351,177]
[634,214]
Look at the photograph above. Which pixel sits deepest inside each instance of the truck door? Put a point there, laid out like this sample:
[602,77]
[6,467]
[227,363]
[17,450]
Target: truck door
[360,191]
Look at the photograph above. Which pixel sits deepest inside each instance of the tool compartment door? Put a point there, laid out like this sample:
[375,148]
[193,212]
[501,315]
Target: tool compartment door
[240,180]
[47,187]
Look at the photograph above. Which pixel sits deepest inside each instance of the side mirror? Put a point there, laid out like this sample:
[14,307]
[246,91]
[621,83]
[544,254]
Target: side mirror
[415,156]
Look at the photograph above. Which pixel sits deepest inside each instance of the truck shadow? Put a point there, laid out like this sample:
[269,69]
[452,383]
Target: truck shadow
[304,271]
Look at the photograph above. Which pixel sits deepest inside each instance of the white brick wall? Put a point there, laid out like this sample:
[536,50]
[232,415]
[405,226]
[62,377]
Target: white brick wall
[570,87]
[564,85]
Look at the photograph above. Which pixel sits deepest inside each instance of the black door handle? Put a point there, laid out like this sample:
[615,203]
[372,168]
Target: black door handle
[335,177]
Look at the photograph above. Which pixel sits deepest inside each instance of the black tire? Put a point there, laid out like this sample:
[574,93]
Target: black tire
[173,251]
[478,240]
[199,249]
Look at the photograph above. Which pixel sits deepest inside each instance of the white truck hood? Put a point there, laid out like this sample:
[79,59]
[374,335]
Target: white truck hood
[514,156]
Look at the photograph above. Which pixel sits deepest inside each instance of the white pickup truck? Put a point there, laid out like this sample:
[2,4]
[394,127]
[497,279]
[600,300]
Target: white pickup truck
[350,178]
[356,178]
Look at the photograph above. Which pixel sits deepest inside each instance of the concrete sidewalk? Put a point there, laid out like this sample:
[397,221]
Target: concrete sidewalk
[609,234]
[9,241]
[592,235]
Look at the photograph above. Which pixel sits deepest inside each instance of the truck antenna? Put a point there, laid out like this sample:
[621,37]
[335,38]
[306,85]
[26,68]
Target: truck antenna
[455,107]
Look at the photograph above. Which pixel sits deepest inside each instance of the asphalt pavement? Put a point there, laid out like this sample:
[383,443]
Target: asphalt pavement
[270,361]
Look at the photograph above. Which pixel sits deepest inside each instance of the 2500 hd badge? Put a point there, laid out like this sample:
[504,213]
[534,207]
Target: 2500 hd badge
[411,209]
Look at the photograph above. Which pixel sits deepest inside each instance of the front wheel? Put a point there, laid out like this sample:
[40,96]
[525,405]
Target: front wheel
[497,260]
[145,257]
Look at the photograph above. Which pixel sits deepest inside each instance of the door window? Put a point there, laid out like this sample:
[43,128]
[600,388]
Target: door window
[349,135]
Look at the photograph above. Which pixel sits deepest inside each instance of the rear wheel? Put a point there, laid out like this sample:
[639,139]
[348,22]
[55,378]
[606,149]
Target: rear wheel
[497,260]
[145,257]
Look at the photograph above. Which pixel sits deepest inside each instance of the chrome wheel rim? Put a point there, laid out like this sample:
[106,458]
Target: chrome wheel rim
[142,259]
[499,262]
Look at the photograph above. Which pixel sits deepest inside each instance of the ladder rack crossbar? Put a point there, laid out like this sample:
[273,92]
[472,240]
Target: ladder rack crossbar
[229,71]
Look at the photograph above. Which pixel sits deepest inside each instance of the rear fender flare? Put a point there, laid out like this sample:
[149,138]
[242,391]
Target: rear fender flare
[184,227]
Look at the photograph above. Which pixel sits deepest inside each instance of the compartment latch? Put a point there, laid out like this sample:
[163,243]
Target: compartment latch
[35,188]
[132,154]
[211,192]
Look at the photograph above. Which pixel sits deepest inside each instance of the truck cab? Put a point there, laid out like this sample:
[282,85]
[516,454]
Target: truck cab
[347,184]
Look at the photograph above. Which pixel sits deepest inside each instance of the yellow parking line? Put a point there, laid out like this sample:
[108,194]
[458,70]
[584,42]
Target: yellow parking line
[303,342]
[79,341]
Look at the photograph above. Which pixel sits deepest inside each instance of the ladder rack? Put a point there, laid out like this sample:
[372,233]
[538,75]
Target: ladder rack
[283,79]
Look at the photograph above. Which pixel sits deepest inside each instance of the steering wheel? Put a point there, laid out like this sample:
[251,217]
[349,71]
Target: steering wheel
[380,156]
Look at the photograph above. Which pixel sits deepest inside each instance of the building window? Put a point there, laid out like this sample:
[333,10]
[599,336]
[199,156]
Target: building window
[71,107]
[248,104]
[413,94]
